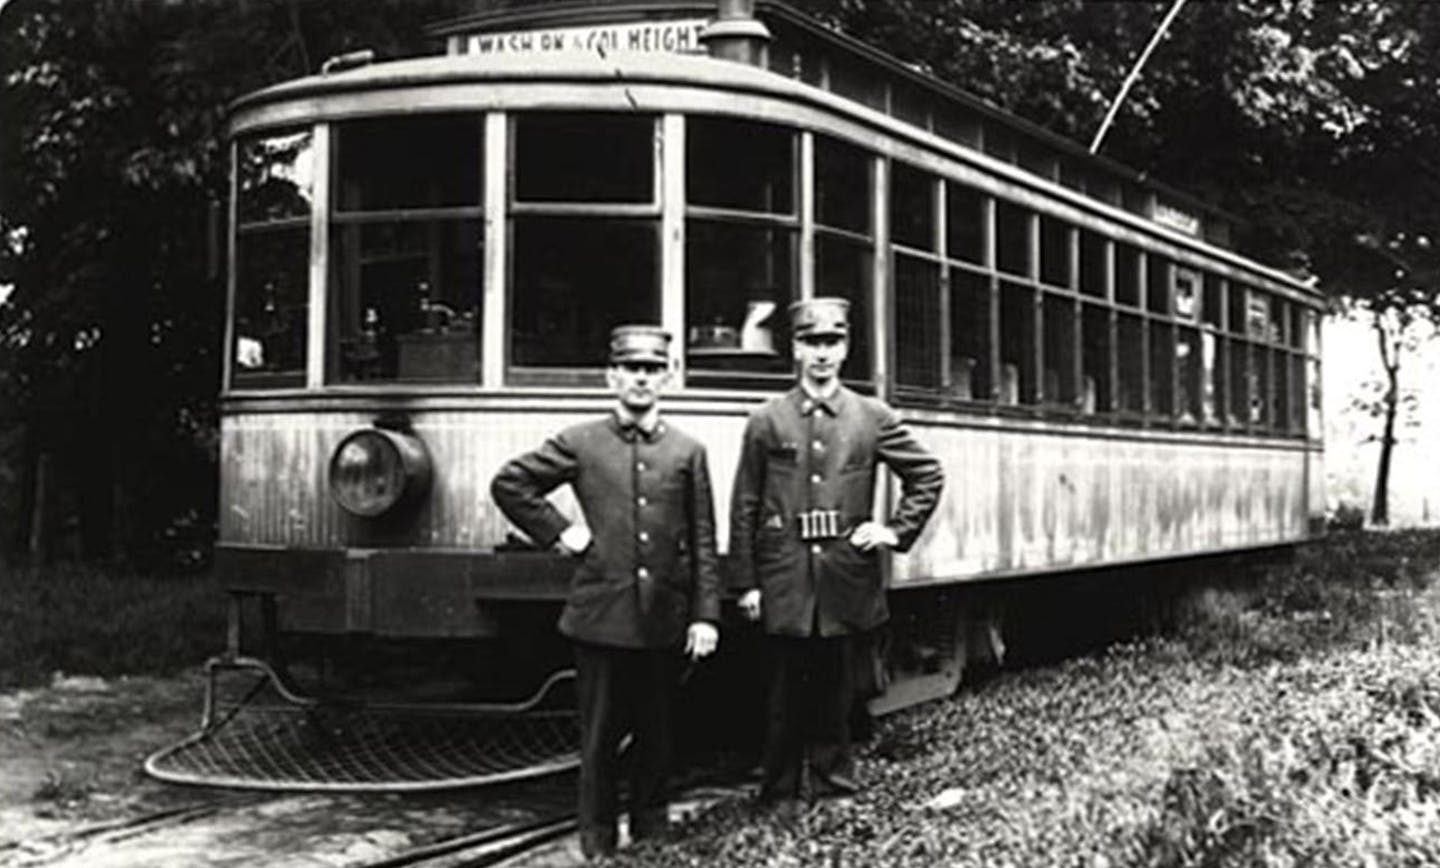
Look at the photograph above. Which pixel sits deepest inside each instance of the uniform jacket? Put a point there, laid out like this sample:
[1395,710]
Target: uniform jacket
[651,569]
[801,455]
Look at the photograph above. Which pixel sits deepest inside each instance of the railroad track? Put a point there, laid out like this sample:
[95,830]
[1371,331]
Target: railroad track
[487,847]
[106,842]
[49,849]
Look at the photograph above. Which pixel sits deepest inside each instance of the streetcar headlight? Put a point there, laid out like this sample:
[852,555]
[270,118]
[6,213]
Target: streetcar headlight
[374,470]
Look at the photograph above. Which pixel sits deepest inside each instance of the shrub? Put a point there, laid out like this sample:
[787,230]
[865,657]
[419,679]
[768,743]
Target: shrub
[88,620]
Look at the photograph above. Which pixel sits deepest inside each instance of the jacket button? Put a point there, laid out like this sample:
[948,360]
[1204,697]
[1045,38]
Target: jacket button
[644,536]
[818,446]
[816,479]
[639,465]
[815,549]
[642,573]
[641,500]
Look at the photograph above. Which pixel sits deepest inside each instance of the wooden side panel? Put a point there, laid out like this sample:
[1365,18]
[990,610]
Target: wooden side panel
[1014,500]
[273,486]
[1019,501]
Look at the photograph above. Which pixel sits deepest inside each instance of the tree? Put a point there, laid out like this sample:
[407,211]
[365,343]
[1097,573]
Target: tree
[1318,121]
[113,165]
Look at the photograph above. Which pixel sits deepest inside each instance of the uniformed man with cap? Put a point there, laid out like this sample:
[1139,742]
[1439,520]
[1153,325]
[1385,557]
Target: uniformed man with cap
[808,548]
[645,587]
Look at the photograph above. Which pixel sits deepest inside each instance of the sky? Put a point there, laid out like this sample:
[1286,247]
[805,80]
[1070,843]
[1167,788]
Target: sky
[1350,359]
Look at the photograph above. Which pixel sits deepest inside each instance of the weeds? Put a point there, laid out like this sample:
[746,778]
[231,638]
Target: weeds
[83,619]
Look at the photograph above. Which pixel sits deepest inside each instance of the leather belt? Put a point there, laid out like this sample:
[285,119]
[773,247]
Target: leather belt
[819,524]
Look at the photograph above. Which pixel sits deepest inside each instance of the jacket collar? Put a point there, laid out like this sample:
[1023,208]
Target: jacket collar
[628,429]
[805,404]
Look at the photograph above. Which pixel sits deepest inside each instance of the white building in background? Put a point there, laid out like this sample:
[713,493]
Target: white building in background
[1352,359]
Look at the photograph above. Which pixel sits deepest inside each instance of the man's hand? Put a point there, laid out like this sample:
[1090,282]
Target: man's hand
[750,604]
[871,534]
[701,639]
[575,539]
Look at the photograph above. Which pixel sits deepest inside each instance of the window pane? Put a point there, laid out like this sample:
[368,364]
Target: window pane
[1236,298]
[275,177]
[912,207]
[970,316]
[965,223]
[1095,336]
[842,186]
[1162,369]
[1059,354]
[407,301]
[1012,238]
[1279,389]
[1259,386]
[1157,270]
[1130,355]
[739,283]
[272,304]
[763,181]
[574,280]
[1239,382]
[1092,264]
[1212,307]
[1279,317]
[1186,303]
[1127,275]
[843,267]
[423,162]
[584,157]
[1212,396]
[1189,372]
[1055,252]
[917,322]
[1017,344]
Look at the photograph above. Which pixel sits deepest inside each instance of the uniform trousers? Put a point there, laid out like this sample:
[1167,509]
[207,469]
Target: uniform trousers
[622,690]
[811,691]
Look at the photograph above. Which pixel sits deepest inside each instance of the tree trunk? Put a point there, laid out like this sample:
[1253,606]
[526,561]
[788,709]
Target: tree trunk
[1390,356]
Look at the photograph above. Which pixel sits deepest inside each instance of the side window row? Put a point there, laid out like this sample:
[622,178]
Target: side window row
[993,302]
[1004,306]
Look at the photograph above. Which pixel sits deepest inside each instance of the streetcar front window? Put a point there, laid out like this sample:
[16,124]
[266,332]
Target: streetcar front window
[274,185]
[406,250]
[575,279]
[585,239]
[844,250]
[740,248]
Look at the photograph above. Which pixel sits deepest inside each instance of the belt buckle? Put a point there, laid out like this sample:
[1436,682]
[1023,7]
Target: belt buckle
[819,524]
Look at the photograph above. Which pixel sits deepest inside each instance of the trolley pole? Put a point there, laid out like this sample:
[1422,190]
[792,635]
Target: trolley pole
[1134,74]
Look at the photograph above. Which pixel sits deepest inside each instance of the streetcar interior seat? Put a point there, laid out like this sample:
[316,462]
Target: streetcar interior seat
[962,377]
[1009,384]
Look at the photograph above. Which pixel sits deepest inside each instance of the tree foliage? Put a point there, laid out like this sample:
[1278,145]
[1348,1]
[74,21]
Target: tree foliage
[1317,121]
[114,166]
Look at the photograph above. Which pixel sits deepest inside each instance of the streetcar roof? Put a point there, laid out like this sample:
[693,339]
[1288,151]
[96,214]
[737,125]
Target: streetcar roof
[307,98]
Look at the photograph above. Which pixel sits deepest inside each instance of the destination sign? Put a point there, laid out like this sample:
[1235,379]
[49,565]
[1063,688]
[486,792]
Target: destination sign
[1175,218]
[641,37]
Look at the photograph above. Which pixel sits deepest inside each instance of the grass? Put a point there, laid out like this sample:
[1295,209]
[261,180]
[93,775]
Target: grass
[80,619]
[1292,722]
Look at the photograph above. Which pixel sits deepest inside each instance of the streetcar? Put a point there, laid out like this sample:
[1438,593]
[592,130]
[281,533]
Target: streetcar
[426,257]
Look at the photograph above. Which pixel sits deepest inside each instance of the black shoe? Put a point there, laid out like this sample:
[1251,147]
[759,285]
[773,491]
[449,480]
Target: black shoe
[648,824]
[770,797]
[596,844]
[835,785]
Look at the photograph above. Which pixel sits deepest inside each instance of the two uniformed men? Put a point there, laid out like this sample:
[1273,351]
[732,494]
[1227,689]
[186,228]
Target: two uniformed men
[802,537]
[807,548]
[645,581]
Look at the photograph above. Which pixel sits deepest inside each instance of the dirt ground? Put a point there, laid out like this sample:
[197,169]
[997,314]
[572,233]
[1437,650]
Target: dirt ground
[71,777]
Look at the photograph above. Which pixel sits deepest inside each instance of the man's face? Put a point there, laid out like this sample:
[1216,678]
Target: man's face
[821,356]
[637,384]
